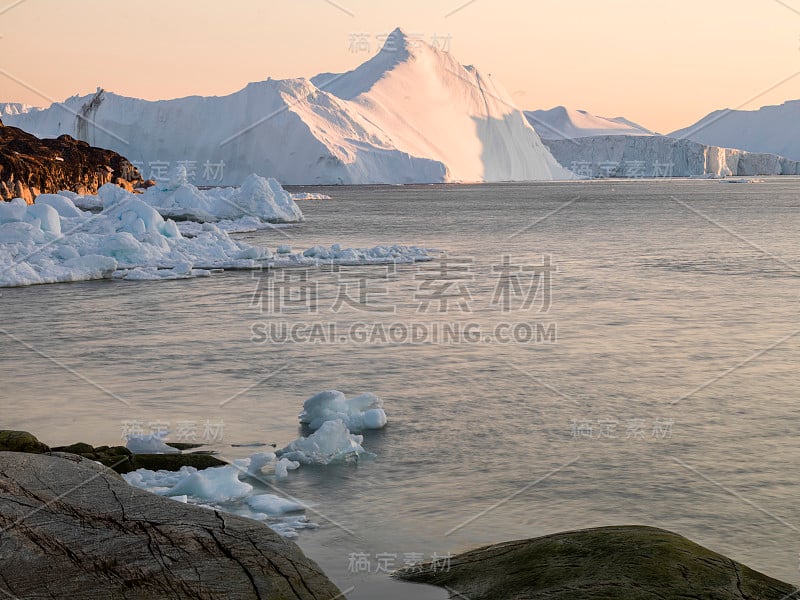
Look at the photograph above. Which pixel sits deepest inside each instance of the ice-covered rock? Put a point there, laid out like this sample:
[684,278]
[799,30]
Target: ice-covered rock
[358,413]
[332,442]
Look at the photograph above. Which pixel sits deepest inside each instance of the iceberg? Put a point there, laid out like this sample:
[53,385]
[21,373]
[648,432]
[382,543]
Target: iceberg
[358,413]
[411,114]
[331,443]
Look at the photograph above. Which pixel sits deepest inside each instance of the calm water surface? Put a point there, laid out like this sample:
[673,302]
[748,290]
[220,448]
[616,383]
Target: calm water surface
[669,398]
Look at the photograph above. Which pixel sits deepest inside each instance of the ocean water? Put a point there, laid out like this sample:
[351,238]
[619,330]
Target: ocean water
[648,375]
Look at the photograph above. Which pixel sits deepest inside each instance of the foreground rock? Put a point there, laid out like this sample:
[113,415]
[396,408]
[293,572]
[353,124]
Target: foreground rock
[72,529]
[30,166]
[626,563]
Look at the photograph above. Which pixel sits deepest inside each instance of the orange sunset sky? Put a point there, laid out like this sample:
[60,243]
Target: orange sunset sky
[664,65]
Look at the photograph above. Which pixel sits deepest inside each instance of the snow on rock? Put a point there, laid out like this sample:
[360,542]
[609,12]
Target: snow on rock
[565,123]
[412,114]
[358,413]
[332,442]
[150,444]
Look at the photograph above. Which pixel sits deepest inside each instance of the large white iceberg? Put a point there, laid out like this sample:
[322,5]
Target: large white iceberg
[358,413]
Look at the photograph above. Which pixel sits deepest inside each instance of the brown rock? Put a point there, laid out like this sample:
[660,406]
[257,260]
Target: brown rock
[30,166]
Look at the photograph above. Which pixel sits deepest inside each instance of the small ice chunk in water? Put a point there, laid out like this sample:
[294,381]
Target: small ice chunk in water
[217,484]
[272,505]
[332,442]
[150,444]
[283,466]
[358,413]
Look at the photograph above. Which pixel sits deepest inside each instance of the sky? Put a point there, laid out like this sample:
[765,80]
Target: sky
[662,64]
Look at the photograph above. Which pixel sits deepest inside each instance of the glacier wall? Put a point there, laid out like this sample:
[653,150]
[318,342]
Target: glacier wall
[659,156]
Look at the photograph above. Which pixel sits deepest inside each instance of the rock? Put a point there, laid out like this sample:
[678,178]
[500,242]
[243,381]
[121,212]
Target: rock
[74,530]
[183,445]
[30,166]
[21,441]
[626,563]
[174,462]
[122,460]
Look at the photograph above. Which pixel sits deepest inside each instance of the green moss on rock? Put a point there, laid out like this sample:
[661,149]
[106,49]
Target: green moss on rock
[21,441]
[624,563]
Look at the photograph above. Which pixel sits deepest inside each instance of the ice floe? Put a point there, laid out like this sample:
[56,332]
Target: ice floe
[54,241]
[357,413]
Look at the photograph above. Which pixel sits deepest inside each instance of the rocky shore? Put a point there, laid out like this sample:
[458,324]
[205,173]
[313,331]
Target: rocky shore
[30,166]
[73,528]
[625,563]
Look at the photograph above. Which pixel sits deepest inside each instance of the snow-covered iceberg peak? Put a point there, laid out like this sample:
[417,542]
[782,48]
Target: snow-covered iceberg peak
[410,114]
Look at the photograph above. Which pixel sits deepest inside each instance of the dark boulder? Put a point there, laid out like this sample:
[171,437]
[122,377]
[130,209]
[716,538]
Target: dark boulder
[30,166]
[21,441]
[625,563]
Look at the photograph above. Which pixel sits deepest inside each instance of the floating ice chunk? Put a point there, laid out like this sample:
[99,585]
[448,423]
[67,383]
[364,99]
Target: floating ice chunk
[310,196]
[332,442]
[150,444]
[272,505]
[283,466]
[216,484]
[358,413]
[258,461]
[289,527]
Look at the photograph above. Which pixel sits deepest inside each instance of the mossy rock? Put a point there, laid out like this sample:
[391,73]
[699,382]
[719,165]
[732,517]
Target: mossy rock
[174,462]
[122,460]
[21,441]
[623,563]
